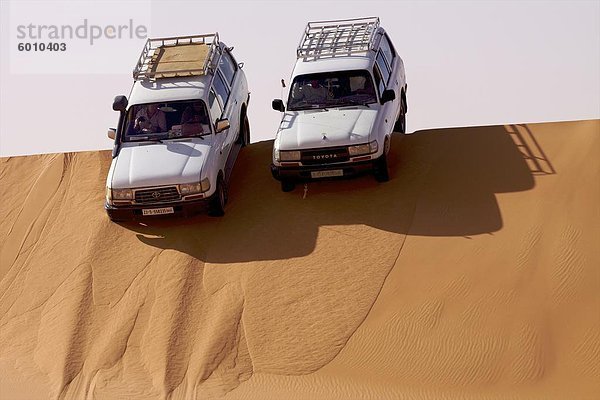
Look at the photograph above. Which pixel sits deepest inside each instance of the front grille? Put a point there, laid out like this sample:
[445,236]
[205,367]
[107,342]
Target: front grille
[157,195]
[327,155]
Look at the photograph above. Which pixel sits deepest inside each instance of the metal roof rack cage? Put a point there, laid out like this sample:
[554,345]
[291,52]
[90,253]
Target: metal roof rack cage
[337,37]
[177,56]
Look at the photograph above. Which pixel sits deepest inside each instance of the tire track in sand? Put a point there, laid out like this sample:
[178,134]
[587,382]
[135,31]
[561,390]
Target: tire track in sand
[194,342]
[33,215]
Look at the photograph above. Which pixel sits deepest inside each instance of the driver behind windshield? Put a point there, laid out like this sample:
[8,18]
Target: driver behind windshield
[150,119]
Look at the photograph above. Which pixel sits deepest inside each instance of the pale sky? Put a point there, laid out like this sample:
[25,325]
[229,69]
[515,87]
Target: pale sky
[467,63]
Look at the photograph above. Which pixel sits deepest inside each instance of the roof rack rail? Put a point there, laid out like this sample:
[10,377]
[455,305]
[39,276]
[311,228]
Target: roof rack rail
[177,56]
[338,37]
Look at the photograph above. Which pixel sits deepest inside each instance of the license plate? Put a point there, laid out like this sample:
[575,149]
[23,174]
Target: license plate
[327,174]
[158,211]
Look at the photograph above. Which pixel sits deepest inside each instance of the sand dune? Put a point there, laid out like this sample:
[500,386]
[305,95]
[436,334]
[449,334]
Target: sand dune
[472,274]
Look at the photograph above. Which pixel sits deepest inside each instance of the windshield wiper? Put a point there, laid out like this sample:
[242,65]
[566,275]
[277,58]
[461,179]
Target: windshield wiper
[198,135]
[143,139]
[312,107]
[355,102]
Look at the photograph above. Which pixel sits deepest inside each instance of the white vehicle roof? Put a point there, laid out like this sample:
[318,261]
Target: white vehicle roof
[333,64]
[338,45]
[169,89]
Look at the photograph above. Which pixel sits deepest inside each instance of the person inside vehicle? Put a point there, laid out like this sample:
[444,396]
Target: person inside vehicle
[358,85]
[194,119]
[150,119]
[313,92]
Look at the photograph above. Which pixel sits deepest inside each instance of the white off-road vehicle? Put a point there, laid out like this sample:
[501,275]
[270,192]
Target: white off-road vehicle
[180,131]
[347,95]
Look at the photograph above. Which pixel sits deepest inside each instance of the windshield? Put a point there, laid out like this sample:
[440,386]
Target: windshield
[331,89]
[166,120]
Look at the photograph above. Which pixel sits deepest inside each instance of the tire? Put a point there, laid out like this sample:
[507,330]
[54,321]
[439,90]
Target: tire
[381,169]
[382,173]
[400,125]
[114,219]
[287,186]
[218,200]
[244,135]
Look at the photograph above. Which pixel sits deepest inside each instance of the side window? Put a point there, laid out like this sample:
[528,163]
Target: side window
[215,107]
[383,67]
[227,67]
[378,81]
[221,89]
[388,50]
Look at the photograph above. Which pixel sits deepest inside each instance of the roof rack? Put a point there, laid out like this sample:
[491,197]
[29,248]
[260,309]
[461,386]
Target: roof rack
[177,56]
[338,37]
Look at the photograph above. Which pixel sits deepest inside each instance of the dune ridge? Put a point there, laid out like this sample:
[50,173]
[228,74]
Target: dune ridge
[472,274]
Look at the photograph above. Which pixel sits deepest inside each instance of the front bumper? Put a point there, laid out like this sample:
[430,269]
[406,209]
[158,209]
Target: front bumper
[303,173]
[134,212]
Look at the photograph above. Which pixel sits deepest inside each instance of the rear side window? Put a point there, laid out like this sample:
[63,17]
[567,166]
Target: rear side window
[221,89]
[388,50]
[227,67]
[383,67]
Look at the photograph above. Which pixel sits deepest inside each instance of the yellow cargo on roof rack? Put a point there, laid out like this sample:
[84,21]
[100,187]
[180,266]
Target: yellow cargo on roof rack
[177,57]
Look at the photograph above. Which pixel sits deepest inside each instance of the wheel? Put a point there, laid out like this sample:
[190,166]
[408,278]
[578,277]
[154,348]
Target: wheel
[382,173]
[244,135]
[400,125]
[381,169]
[287,186]
[114,218]
[218,200]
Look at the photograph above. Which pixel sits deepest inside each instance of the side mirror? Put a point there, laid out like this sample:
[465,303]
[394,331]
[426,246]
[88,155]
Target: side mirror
[222,124]
[112,133]
[277,105]
[120,103]
[387,95]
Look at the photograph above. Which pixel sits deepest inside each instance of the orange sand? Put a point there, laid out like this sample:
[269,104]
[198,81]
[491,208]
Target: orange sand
[472,274]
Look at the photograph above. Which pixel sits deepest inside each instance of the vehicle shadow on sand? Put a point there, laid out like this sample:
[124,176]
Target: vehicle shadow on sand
[443,183]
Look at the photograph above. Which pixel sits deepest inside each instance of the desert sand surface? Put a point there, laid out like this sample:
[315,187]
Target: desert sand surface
[472,274]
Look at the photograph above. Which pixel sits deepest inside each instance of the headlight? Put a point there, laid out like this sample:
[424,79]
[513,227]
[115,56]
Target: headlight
[192,188]
[363,149]
[122,194]
[289,156]
[205,184]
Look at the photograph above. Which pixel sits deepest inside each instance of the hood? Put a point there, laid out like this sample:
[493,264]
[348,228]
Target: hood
[319,128]
[156,164]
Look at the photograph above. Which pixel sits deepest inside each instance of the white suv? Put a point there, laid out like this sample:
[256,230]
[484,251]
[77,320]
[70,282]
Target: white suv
[347,96]
[180,131]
